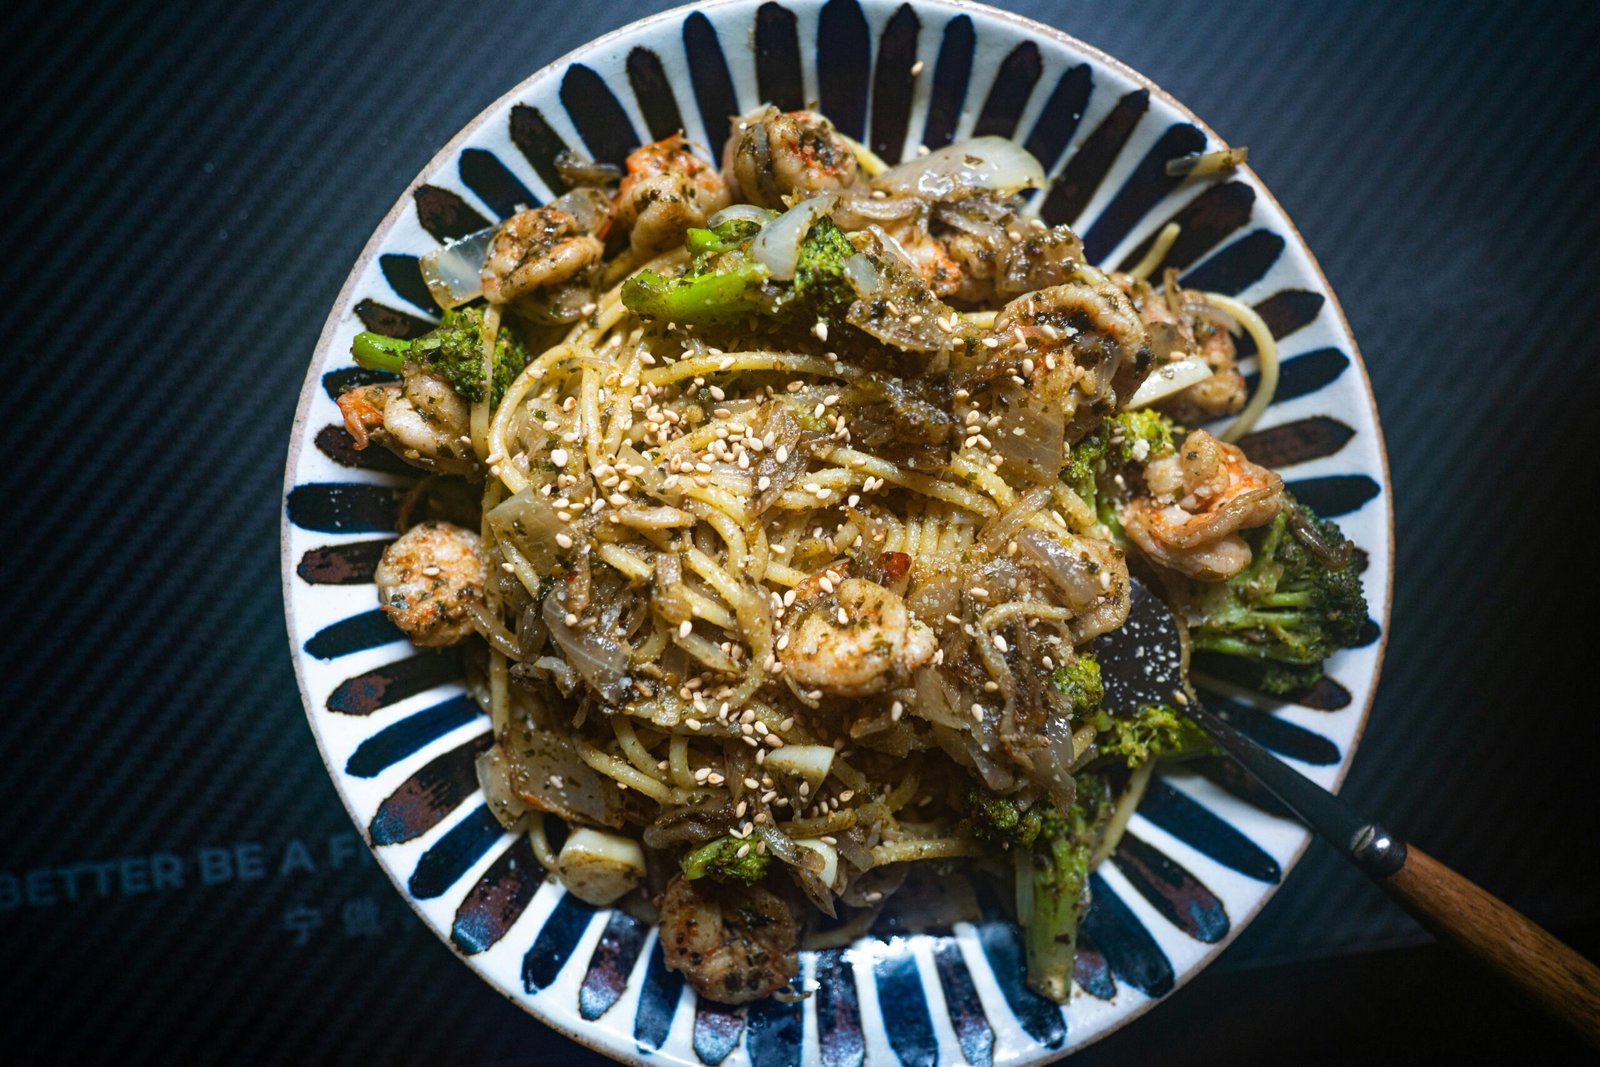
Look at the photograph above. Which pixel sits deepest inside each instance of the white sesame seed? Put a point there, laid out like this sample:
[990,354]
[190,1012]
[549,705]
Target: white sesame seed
[564,540]
[916,68]
[685,628]
[1000,643]
[977,712]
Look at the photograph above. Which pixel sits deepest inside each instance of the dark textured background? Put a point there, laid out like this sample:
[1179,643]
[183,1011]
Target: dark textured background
[186,186]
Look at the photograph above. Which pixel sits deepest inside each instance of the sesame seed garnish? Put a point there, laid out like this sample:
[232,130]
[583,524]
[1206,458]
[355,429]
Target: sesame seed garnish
[564,540]
[685,628]
[570,619]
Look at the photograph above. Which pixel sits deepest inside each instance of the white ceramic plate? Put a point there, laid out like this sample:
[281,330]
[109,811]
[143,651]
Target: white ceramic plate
[399,736]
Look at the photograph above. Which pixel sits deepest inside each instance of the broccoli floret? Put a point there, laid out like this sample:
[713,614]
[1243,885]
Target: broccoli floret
[1132,438]
[1005,821]
[1079,682]
[724,284]
[1061,856]
[1151,732]
[1061,845]
[453,349]
[820,290]
[1140,436]
[1084,464]
[1297,602]
[726,237]
[720,859]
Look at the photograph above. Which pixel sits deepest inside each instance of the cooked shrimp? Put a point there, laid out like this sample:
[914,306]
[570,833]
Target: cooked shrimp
[773,155]
[537,249]
[362,408]
[421,419]
[733,945]
[668,189]
[1188,327]
[1199,499]
[854,641]
[428,580]
[1001,255]
[1085,328]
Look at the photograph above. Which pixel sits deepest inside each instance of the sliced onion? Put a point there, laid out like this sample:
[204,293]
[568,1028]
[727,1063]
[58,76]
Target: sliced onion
[494,776]
[1039,451]
[1165,381]
[601,660]
[778,246]
[1073,573]
[862,275]
[526,521]
[782,846]
[590,206]
[858,208]
[741,213]
[992,164]
[454,271]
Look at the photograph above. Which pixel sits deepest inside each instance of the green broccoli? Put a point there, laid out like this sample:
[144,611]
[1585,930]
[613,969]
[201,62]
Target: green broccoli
[1151,732]
[1005,821]
[1084,464]
[453,349]
[1140,436]
[726,237]
[720,859]
[1062,845]
[820,290]
[1297,602]
[724,284]
[1129,439]
[1079,683]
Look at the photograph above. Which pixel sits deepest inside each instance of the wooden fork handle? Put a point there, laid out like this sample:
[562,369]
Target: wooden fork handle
[1454,909]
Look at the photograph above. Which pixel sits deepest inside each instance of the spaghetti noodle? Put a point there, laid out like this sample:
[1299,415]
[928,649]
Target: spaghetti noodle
[795,529]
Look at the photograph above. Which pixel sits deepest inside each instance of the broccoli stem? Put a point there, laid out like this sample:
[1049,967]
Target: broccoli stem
[377,352]
[1061,859]
[1060,876]
[1235,646]
[709,298]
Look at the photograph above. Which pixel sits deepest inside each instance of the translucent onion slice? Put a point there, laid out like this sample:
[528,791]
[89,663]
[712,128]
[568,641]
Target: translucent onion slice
[741,213]
[983,164]
[1165,381]
[778,246]
[454,272]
